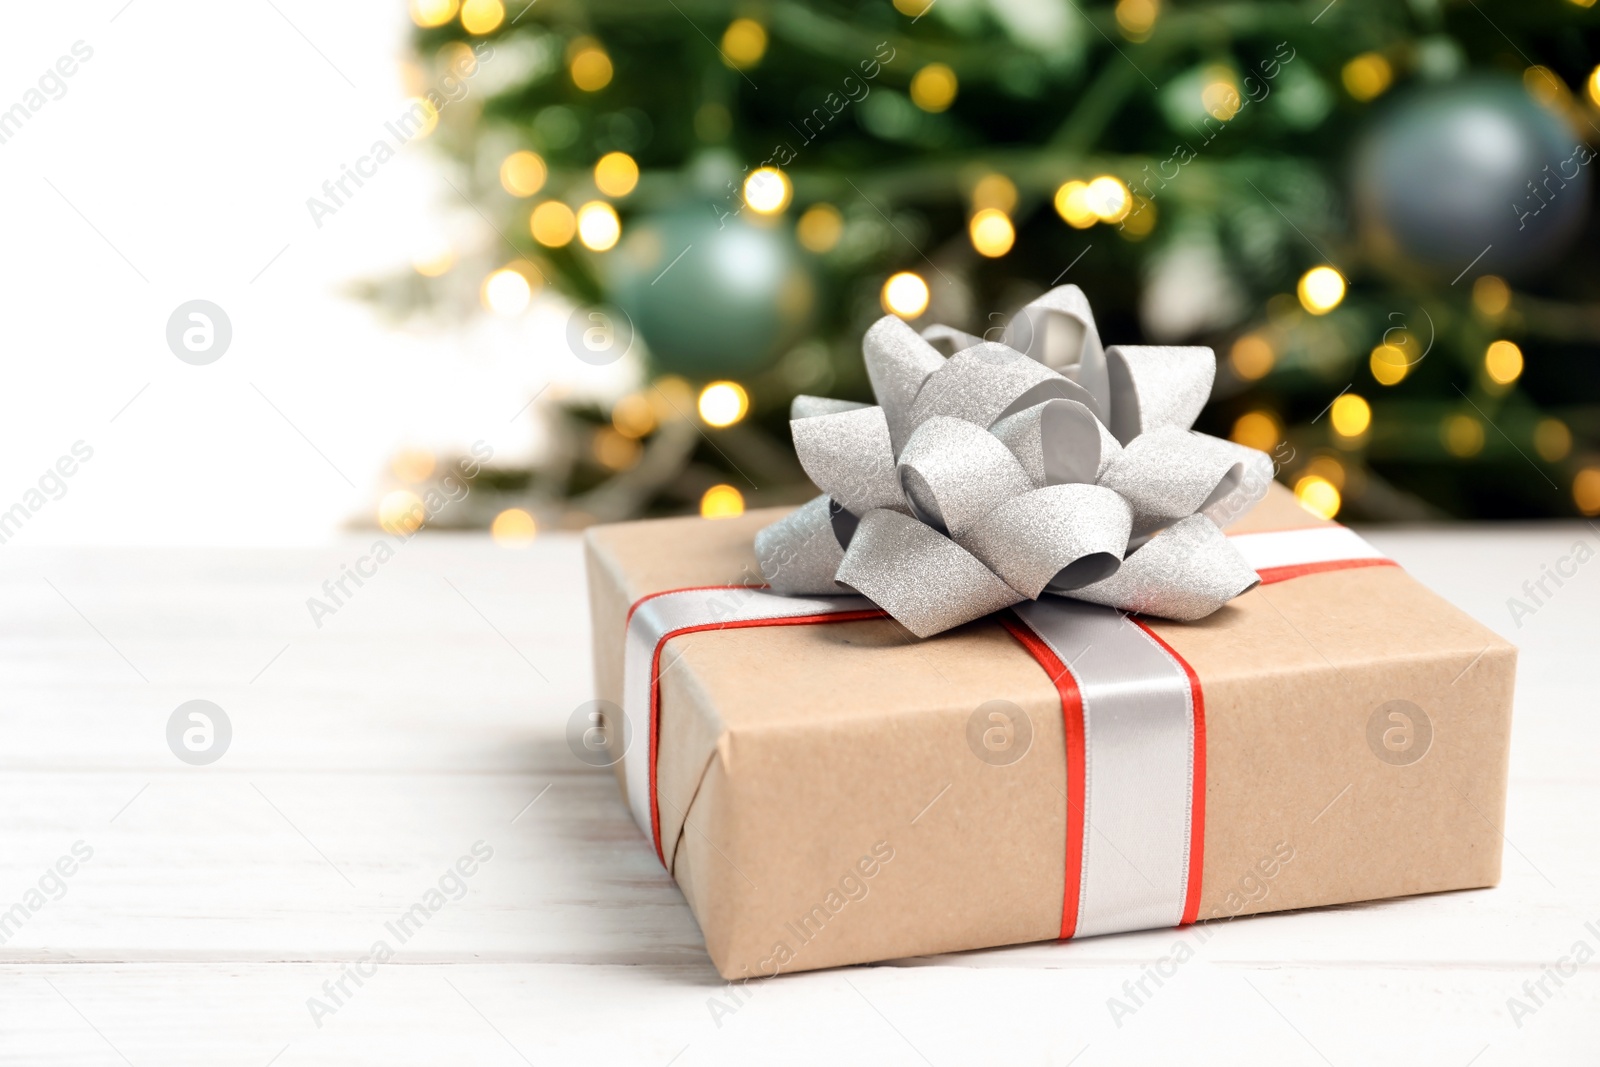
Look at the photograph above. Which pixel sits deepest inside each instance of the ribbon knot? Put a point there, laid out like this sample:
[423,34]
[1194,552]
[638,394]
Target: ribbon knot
[992,473]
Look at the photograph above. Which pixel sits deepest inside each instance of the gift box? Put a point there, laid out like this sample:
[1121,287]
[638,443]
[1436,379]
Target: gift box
[843,792]
[1040,663]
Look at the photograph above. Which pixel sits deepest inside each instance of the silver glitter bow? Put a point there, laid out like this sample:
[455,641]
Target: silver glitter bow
[992,473]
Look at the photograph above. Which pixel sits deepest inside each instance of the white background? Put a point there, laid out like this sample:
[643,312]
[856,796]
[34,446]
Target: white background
[191,141]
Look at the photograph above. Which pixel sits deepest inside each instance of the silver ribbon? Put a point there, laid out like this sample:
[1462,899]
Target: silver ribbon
[992,473]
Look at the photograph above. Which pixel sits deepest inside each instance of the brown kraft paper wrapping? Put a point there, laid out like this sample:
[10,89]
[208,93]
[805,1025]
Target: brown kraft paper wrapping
[837,813]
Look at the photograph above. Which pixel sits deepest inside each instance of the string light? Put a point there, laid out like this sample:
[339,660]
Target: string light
[1252,357]
[1220,97]
[1318,495]
[523,173]
[1108,198]
[479,17]
[632,416]
[820,228]
[1503,362]
[744,42]
[905,294]
[721,502]
[552,224]
[996,191]
[506,292]
[1463,435]
[723,403]
[1072,204]
[1586,490]
[616,174]
[767,190]
[1552,440]
[933,88]
[401,512]
[1367,76]
[1137,18]
[513,528]
[1491,296]
[1257,429]
[615,451]
[1321,289]
[992,233]
[1351,415]
[434,261]
[1546,86]
[430,14]
[598,226]
[1388,364]
[588,65]
[413,465]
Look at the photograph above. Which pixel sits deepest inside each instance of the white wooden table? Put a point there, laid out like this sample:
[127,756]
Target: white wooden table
[429,713]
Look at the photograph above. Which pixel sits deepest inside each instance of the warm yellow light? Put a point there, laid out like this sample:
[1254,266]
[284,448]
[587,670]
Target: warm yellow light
[481,16]
[523,173]
[1351,415]
[1592,83]
[992,233]
[905,294]
[1329,469]
[744,42]
[1137,17]
[1321,289]
[1367,76]
[430,114]
[1552,440]
[933,88]
[1252,357]
[723,403]
[1388,364]
[1257,429]
[671,398]
[401,512]
[412,465]
[721,502]
[506,292]
[615,451]
[1581,3]
[913,8]
[1586,490]
[1140,221]
[996,191]
[1221,97]
[820,228]
[1491,296]
[633,416]
[431,13]
[616,174]
[1318,495]
[590,68]
[1546,86]
[1503,362]
[1109,199]
[513,528]
[1072,204]
[552,224]
[434,261]
[598,225]
[767,190]
[1463,435]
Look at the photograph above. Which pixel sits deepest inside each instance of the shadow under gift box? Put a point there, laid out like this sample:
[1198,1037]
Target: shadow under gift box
[839,813]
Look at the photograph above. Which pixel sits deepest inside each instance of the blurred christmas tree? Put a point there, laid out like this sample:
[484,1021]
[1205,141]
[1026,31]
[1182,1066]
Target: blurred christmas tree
[1377,213]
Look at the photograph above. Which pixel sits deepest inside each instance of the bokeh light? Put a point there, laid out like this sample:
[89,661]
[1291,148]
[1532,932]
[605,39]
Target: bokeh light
[721,502]
[992,233]
[1321,289]
[767,190]
[523,173]
[905,294]
[933,88]
[723,403]
[616,174]
[513,528]
[552,224]
[1351,415]
[598,226]
[820,228]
